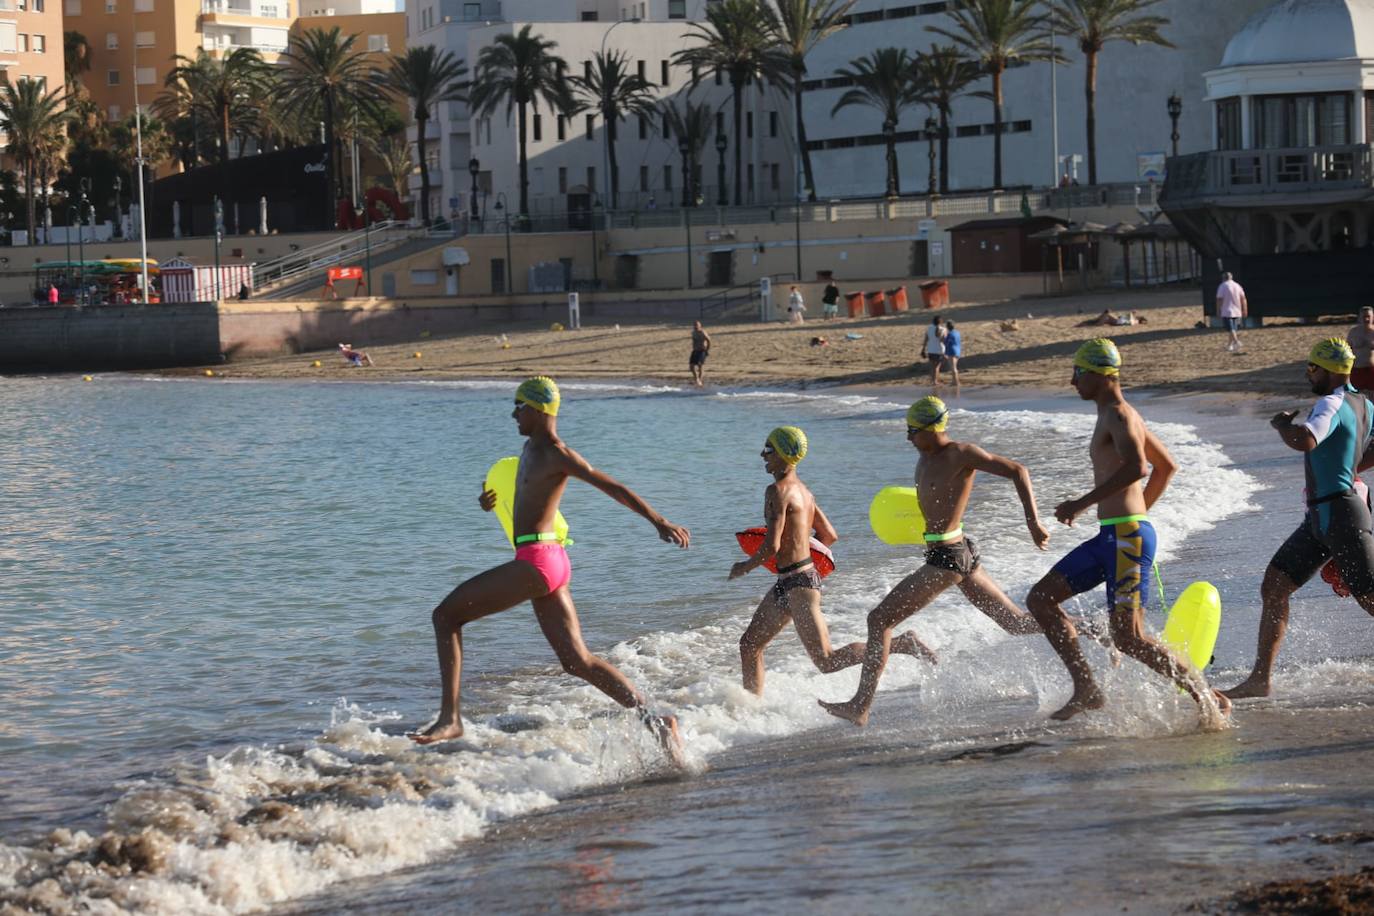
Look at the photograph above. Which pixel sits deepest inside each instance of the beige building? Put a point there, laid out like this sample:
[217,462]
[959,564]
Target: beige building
[31,41]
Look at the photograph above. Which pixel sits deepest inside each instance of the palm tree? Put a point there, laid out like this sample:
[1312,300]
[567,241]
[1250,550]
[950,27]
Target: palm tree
[998,34]
[803,24]
[220,91]
[30,120]
[615,93]
[883,80]
[76,57]
[322,70]
[394,152]
[520,70]
[738,40]
[943,74]
[690,124]
[426,76]
[1094,23]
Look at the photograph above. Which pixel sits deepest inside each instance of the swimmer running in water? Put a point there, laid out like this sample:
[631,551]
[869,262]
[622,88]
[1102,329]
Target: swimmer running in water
[540,571]
[1123,452]
[944,480]
[791,514]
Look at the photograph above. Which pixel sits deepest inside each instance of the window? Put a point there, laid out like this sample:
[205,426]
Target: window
[677,9]
[749,124]
[774,177]
[720,122]
[143,6]
[772,123]
[114,112]
[644,178]
[562,180]
[717,77]
[111,6]
[591,127]
[146,76]
[1302,120]
[641,69]
[562,128]
[586,70]
[37,6]
[663,73]
[111,77]
[643,128]
[472,11]
[424,277]
[111,40]
[40,44]
[591,179]
[145,39]
[538,128]
[667,178]
[23,42]
[374,42]
[589,15]
[73,7]
[667,134]
[1228,124]
[749,178]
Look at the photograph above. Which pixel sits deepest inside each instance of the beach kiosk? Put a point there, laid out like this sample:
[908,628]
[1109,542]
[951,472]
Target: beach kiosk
[184,280]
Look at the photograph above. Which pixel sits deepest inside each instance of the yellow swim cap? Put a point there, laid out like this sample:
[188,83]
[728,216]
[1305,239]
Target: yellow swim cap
[789,442]
[1098,355]
[541,393]
[929,413]
[1333,355]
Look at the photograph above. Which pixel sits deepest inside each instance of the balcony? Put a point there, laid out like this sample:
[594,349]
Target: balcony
[8,6]
[1249,177]
[213,10]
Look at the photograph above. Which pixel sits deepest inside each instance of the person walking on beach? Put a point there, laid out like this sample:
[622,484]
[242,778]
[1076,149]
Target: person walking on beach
[1361,340]
[944,480]
[1123,451]
[830,300]
[954,348]
[795,306]
[1232,307]
[933,349]
[791,513]
[540,572]
[1335,442]
[701,348]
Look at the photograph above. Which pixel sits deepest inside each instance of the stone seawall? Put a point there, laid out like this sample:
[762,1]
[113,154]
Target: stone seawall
[64,338]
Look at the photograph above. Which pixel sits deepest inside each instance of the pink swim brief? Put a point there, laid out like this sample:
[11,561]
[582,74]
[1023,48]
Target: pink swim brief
[550,559]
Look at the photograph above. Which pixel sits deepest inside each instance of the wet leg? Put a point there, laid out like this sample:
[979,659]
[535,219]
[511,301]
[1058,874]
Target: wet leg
[768,620]
[485,593]
[1044,602]
[984,594]
[1128,635]
[911,594]
[1275,591]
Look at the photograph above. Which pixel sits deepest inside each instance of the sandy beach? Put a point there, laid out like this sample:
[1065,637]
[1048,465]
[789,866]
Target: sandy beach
[1165,350]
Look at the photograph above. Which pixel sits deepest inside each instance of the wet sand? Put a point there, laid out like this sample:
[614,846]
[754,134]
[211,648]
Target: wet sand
[1166,351]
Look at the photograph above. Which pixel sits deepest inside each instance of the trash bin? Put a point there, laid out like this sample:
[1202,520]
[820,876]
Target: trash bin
[896,299]
[876,301]
[855,303]
[935,293]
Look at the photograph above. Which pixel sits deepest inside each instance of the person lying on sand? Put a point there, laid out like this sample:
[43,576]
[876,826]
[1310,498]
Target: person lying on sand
[944,480]
[540,572]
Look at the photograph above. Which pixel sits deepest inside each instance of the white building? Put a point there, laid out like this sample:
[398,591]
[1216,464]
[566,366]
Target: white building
[1134,84]
[567,159]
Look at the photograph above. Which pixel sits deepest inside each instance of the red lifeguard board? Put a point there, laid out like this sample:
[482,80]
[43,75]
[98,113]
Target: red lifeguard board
[343,273]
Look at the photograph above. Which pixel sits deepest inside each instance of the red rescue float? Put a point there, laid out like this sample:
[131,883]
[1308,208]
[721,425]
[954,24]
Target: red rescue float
[751,539]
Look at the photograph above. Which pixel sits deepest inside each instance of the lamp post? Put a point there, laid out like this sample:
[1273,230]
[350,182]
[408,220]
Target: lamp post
[219,237]
[119,216]
[611,189]
[721,143]
[1175,109]
[473,168]
[81,245]
[685,151]
[596,278]
[932,126]
[505,218]
[362,214]
[68,236]
[889,138]
[802,194]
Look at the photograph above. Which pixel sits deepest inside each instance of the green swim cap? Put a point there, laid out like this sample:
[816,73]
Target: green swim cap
[541,393]
[789,442]
[929,413]
[1098,355]
[1333,355]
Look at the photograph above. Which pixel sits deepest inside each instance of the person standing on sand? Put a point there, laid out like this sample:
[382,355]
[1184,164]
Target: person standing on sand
[791,513]
[954,348]
[830,300]
[701,348]
[1232,307]
[540,572]
[1122,451]
[944,480]
[1335,442]
[933,349]
[1361,340]
[795,306]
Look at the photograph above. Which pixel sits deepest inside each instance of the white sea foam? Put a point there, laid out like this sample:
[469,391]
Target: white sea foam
[260,825]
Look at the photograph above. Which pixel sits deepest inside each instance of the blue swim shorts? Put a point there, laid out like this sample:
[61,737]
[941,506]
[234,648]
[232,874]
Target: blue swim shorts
[1121,556]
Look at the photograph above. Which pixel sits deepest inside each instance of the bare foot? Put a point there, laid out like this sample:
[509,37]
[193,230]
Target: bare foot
[439,731]
[846,711]
[908,644]
[1250,687]
[1223,702]
[1080,702]
[664,728]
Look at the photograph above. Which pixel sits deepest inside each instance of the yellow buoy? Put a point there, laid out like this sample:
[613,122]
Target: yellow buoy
[209,373]
[86,378]
[417,354]
[555,326]
[315,364]
[505,346]
[1191,628]
[895,516]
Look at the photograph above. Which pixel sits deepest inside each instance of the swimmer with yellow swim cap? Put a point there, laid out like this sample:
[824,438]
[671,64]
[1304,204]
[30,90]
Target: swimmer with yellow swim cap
[792,516]
[540,572]
[1335,444]
[944,480]
[1123,453]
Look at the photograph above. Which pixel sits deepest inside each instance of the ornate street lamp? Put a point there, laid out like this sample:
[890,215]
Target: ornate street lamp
[502,209]
[1175,109]
[932,126]
[721,143]
[219,238]
[473,168]
[685,149]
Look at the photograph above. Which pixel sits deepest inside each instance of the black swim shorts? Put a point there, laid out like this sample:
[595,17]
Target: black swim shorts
[697,358]
[807,578]
[959,556]
[1347,537]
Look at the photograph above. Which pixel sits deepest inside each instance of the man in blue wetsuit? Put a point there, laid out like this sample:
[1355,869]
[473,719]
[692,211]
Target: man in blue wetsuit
[1335,442]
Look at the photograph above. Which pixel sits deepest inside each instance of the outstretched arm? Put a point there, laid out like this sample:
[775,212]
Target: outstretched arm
[981,460]
[576,466]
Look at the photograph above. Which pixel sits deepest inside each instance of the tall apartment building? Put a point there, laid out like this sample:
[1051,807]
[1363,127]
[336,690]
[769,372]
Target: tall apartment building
[567,158]
[31,41]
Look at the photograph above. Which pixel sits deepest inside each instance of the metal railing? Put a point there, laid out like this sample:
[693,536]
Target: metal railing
[721,301]
[1270,171]
[379,236]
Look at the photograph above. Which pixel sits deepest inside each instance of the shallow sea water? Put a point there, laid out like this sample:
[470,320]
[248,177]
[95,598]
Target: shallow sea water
[214,628]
